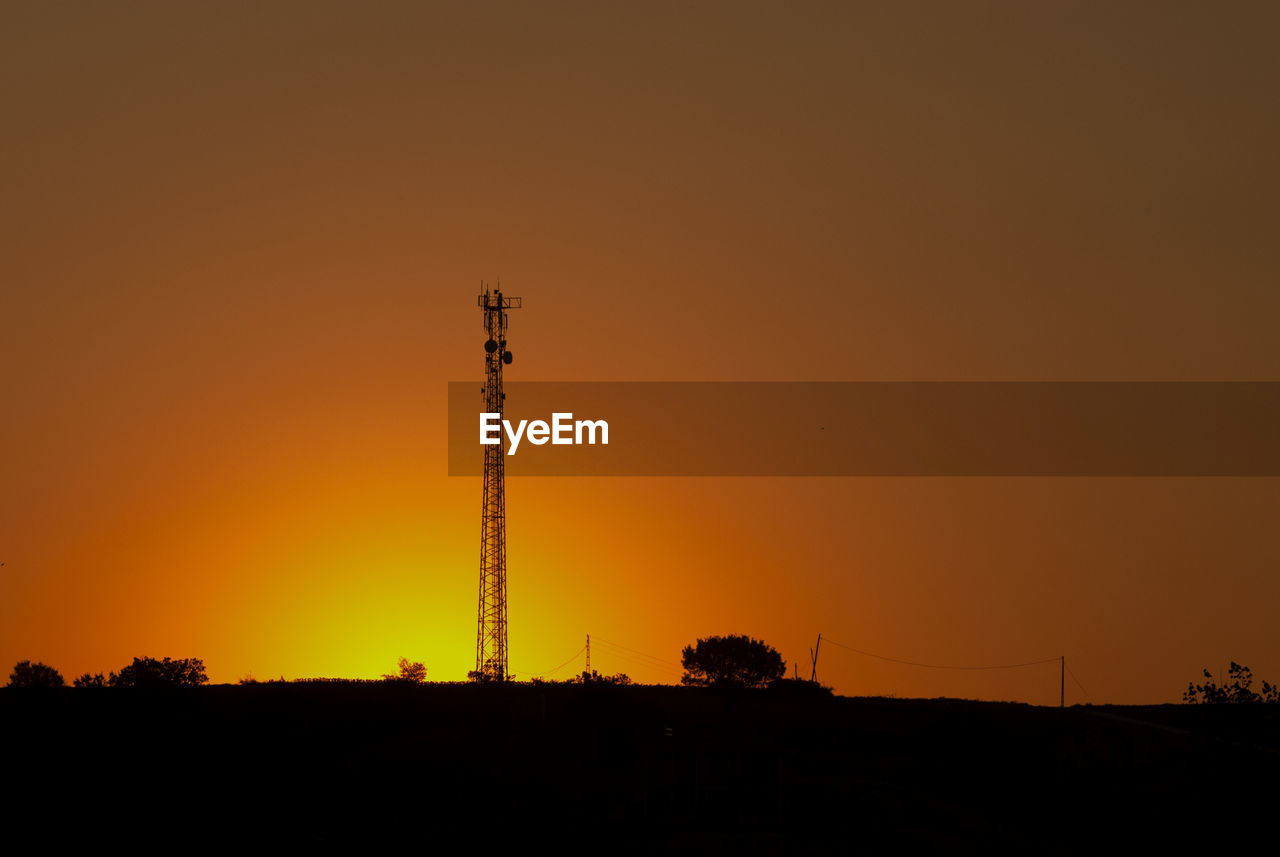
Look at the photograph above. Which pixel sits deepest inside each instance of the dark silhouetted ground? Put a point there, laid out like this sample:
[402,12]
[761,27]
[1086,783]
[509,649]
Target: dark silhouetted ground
[625,769]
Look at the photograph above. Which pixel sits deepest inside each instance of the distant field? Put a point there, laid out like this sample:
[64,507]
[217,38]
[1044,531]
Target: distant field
[630,769]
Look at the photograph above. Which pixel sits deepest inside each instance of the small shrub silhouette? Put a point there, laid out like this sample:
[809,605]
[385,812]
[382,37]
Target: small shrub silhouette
[1237,689]
[413,672]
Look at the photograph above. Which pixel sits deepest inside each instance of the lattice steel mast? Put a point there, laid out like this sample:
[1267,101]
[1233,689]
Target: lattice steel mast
[491,624]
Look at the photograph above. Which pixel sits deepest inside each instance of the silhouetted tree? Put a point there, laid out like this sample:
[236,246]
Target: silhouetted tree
[149,672]
[411,671]
[27,674]
[1239,688]
[732,660]
[91,680]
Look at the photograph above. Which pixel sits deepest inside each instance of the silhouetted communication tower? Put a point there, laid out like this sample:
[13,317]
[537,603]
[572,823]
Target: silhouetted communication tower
[491,623]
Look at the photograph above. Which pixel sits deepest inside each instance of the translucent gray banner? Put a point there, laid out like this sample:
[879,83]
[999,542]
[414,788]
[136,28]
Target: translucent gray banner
[877,429]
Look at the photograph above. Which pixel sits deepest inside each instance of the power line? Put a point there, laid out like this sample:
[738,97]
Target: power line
[633,667]
[1079,685]
[939,666]
[637,658]
[665,661]
[572,658]
[642,663]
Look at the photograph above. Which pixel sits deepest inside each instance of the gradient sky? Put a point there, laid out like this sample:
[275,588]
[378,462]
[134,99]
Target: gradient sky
[239,251]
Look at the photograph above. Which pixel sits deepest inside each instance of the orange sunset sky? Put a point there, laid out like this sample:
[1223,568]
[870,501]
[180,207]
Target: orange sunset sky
[239,251]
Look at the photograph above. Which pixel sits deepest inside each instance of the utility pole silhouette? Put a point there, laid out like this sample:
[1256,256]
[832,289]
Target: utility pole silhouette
[586,673]
[813,656]
[491,621]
